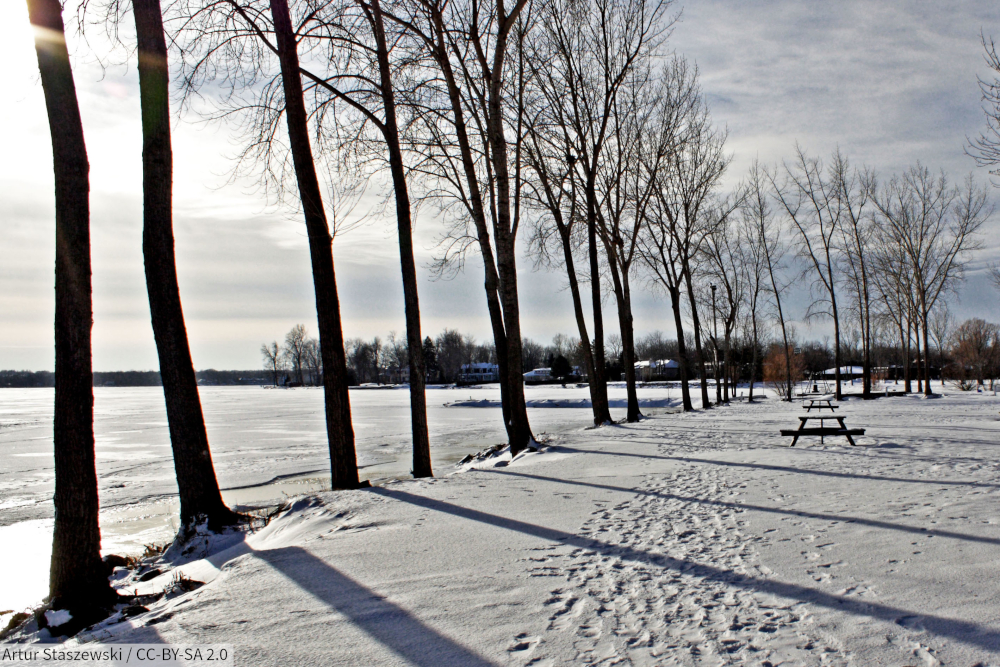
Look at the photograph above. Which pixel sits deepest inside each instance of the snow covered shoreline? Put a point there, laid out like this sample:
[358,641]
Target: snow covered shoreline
[685,539]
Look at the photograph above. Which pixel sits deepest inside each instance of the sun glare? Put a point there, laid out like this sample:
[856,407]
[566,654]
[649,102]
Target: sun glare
[17,52]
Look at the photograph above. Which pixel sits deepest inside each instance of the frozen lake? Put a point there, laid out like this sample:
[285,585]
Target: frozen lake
[266,444]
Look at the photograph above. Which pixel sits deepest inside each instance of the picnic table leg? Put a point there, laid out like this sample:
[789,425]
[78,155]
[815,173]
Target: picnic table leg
[840,420]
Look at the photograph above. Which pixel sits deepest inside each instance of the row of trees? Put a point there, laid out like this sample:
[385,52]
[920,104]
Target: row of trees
[568,118]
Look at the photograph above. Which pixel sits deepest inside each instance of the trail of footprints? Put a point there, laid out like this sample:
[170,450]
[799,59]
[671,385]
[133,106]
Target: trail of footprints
[640,597]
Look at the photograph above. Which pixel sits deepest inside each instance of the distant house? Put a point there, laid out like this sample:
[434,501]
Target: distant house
[538,376]
[478,373]
[395,375]
[846,373]
[657,369]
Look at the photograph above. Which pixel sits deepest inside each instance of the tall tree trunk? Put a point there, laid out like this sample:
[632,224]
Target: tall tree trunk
[675,304]
[726,363]
[77,579]
[784,329]
[624,303]
[600,377]
[520,429]
[866,389]
[581,322]
[927,351]
[196,481]
[753,358]
[920,359]
[515,414]
[905,342]
[633,414]
[696,323]
[418,372]
[340,432]
[836,351]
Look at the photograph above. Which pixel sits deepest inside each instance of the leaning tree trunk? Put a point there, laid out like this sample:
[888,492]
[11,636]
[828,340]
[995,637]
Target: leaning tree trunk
[77,579]
[196,481]
[340,432]
[404,224]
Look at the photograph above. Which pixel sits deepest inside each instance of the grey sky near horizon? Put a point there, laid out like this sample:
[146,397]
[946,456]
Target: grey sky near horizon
[889,83]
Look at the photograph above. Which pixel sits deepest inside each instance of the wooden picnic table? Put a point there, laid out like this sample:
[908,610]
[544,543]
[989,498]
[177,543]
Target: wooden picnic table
[822,430]
[819,403]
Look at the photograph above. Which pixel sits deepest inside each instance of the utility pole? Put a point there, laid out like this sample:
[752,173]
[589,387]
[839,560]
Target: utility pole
[715,348]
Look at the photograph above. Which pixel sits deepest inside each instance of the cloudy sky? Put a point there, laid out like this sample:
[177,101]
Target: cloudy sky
[889,82]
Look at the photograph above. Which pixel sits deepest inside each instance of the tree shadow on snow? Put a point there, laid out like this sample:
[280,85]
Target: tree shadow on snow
[962,631]
[840,518]
[774,468]
[387,623]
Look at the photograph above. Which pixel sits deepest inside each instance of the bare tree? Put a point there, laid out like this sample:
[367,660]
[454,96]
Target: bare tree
[556,192]
[295,350]
[77,577]
[313,361]
[274,359]
[679,214]
[754,253]
[810,199]
[584,55]
[935,227]
[892,281]
[852,189]
[363,77]
[723,249]
[232,45]
[465,158]
[977,348]
[768,234]
[985,149]
[941,325]
[197,485]
[624,194]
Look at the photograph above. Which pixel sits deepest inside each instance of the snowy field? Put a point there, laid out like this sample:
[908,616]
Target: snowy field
[267,444]
[686,539]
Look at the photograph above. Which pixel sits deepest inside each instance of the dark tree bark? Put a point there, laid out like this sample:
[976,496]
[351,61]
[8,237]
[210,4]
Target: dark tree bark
[682,360]
[196,481]
[340,432]
[696,325]
[551,193]
[77,579]
[500,267]
[599,379]
[623,298]
[418,373]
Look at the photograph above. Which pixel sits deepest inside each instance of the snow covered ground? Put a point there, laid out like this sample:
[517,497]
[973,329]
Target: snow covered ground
[686,539]
[267,444]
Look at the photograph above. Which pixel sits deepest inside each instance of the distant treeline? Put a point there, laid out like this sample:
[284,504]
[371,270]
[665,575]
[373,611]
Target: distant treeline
[133,378]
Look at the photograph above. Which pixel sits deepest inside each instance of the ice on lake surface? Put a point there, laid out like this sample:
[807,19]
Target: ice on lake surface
[266,444]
